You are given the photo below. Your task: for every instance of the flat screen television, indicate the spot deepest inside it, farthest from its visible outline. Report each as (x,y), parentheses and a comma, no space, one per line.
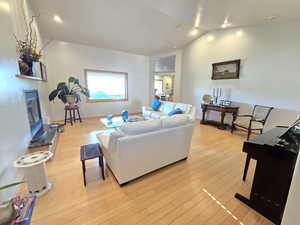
(34,113)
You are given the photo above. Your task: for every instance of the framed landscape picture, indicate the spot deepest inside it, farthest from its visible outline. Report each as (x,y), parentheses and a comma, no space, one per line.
(226,70)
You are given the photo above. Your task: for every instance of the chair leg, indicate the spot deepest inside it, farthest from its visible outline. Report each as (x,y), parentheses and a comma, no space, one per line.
(101,165)
(261,131)
(79,115)
(71,120)
(66,115)
(232,128)
(74,116)
(249,134)
(246,167)
(83,171)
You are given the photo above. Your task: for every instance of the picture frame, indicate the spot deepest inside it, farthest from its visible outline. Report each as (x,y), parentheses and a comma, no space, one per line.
(226,70)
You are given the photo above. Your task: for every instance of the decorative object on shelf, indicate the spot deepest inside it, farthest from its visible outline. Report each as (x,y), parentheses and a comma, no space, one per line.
(109,118)
(226,70)
(124,115)
(27,49)
(7,211)
(225,103)
(59,127)
(33,166)
(207,99)
(217,93)
(43,71)
(69,92)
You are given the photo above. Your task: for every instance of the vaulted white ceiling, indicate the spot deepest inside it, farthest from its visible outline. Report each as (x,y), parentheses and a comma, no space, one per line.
(148,27)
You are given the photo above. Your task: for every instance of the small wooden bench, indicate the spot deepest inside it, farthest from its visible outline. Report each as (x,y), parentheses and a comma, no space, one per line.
(91,151)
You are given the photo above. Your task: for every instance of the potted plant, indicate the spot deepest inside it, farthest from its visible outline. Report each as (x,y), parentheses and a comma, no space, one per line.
(7,210)
(27,49)
(69,92)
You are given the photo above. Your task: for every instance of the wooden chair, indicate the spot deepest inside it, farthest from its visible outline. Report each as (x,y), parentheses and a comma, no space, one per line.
(253,122)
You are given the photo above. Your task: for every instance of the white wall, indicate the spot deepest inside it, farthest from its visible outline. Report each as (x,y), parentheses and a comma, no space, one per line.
(269,76)
(269,69)
(15,131)
(67,59)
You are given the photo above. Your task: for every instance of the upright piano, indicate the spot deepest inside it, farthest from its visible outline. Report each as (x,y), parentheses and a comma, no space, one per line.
(276,153)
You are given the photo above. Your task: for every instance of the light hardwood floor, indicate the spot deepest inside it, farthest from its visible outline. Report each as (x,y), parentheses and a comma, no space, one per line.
(197,191)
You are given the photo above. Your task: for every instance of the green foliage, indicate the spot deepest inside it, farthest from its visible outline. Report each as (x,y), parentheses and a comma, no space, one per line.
(73,87)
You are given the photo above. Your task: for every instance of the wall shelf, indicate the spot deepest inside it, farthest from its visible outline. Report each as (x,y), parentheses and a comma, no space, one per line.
(29,77)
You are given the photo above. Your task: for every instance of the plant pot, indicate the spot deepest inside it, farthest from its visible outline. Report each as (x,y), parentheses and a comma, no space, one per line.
(71,99)
(7,213)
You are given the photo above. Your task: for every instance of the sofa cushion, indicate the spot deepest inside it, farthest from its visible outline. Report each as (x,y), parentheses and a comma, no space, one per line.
(174,122)
(175,111)
(167,107)
(157,115)
(184,107)
(147,112)
(141,127)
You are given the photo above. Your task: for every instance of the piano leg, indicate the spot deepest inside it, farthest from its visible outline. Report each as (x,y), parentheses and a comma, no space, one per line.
(243,199)
(246,167)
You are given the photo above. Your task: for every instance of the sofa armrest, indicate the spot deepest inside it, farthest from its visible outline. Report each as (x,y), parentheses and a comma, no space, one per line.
(104,137)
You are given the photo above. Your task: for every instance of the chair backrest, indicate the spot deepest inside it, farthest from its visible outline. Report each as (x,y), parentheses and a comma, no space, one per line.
(261,113)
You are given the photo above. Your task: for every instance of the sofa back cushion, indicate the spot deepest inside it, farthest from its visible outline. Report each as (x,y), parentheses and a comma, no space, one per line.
(167,107)
(186,108)
(174,121)
(140,127)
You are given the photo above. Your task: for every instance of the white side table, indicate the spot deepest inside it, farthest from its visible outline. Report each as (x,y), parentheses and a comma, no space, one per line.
(33,165)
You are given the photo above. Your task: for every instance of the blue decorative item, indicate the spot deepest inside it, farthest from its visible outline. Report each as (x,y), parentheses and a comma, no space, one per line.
(109,118)
(175,111)
(124,115)
(155,104)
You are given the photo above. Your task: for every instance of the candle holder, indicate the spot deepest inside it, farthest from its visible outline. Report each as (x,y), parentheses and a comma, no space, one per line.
(217,93)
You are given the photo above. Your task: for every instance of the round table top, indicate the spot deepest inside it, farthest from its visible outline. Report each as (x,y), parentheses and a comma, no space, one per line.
(33,159)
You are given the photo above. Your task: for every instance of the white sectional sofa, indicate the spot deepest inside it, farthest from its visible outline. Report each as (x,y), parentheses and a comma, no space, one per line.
(138,148)
(167,107)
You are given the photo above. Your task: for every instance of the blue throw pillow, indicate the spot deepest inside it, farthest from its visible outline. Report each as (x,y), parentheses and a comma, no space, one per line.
(155,104)
(175,111)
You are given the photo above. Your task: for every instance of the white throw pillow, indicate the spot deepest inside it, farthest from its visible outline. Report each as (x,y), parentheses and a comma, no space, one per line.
(140,127)
(174,122)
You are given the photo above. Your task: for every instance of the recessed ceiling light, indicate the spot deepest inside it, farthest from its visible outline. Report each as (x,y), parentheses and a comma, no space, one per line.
(57,19)
(4,6)
(210,38)
(194,32)
(226,24)
(239,33)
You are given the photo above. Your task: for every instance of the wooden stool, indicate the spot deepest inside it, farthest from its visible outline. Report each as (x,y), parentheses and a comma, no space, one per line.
(91,151)
(72,112)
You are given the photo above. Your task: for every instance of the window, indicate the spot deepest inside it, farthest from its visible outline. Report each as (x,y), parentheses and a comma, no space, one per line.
(106,86)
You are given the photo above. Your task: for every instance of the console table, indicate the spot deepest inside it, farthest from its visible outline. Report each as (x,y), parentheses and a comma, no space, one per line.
(218,108)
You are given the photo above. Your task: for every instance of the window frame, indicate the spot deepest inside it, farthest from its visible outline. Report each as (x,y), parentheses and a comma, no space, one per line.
(107,100)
